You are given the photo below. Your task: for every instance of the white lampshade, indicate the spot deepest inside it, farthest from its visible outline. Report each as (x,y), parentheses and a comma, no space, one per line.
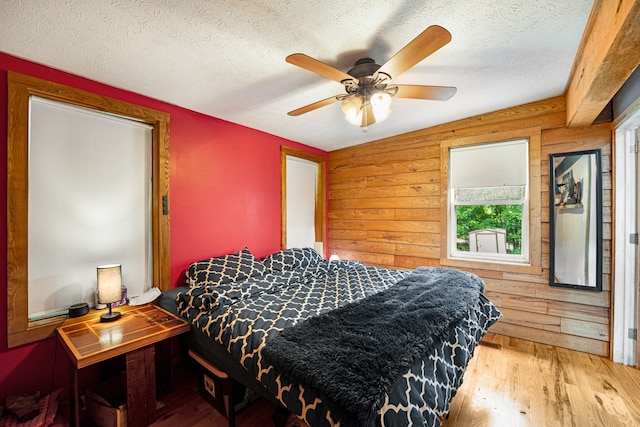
(352,109)
(109,288)
(109,283)
(381,105)
(334,257)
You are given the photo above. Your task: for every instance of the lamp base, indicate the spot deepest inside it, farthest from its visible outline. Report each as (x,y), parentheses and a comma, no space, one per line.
(110,317)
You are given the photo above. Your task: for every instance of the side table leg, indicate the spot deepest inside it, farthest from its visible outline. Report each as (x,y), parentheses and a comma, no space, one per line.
(74,396)
(141,387)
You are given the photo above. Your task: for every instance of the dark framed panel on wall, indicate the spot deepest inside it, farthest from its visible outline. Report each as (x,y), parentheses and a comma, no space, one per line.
(575,220)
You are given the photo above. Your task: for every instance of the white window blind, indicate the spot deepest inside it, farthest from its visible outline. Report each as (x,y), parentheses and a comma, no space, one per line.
(491,173)
(89,203)
(489,165)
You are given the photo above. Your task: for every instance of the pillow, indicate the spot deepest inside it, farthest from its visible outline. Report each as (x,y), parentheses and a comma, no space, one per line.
(288,259)
(224,269)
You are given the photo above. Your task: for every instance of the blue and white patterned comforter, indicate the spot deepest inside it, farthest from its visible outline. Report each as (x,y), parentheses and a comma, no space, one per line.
(243,316)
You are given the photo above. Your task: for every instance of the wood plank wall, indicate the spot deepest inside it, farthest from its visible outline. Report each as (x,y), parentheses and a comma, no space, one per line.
(384,210)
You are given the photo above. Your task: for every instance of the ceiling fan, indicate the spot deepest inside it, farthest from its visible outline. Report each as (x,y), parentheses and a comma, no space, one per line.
(367,84)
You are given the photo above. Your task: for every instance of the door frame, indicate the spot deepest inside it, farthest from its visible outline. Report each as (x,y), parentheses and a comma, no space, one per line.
(321,194)
(626,273)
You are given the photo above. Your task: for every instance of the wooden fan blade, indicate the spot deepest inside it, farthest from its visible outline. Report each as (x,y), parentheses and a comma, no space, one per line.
(318,67)
(430,40)
(314,106)
(436,93)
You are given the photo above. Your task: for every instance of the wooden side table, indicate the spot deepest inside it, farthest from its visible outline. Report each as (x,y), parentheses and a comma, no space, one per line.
(135,334)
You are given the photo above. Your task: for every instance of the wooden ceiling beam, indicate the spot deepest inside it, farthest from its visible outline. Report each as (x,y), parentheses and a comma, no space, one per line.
(609,52)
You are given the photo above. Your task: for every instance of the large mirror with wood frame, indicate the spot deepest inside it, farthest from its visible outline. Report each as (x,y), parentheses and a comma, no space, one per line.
(575,220)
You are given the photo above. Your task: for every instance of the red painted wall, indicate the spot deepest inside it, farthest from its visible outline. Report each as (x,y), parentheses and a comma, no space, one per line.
(225,195)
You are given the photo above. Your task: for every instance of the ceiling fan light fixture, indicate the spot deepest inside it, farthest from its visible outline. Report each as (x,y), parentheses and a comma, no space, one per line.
(379,105)
(367,85)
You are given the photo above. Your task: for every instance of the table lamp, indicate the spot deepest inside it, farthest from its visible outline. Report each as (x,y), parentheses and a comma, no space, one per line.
(109,289)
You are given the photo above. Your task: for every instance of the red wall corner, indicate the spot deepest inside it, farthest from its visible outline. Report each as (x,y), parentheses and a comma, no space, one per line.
(225,195)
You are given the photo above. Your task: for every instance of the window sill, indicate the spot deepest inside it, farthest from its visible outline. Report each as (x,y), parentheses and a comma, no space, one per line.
(491,265)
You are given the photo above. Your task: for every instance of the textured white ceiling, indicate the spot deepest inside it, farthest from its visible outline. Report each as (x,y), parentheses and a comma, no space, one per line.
(227,58)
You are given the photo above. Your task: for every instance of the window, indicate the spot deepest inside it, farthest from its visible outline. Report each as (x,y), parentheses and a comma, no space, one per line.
(301,202)
(488,203)
(488,200)
(22,329)
(89,203)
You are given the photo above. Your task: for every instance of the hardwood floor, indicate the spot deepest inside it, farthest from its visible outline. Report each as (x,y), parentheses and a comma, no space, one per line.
(521,383)
(184,406)
(509,382)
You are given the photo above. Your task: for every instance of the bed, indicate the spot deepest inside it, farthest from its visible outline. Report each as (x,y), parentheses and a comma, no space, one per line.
(337,342)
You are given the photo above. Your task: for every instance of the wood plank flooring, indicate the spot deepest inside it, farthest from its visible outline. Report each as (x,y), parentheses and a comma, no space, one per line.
(522,383)
(509,382)
(185,407)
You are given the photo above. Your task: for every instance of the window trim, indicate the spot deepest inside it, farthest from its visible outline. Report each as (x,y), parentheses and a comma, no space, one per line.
(21,330)
(534,229)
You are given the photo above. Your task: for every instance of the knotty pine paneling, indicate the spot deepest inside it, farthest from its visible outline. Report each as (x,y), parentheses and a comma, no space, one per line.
(385,210)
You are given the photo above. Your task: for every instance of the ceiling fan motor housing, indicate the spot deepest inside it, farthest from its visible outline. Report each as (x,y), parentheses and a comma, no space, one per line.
(364,67)
(368,80)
